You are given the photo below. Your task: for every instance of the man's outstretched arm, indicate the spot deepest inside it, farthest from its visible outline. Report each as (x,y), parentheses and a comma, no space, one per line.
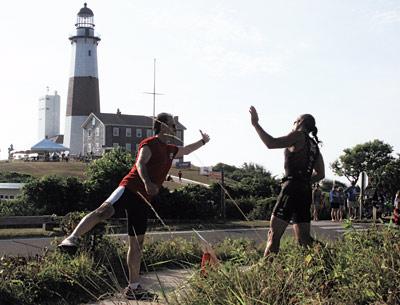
(185,150)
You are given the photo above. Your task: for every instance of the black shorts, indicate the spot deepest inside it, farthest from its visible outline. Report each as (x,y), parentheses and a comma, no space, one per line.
(294,202)
(136,209)
(335,205)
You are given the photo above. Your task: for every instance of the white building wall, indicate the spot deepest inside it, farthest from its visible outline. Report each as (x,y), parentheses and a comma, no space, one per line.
(49,116)
(74,139)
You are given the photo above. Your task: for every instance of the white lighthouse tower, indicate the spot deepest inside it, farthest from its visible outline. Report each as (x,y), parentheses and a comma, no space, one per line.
(83,88)
(49,116)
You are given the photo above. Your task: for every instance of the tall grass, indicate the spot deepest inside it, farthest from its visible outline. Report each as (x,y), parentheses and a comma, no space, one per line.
(363,268)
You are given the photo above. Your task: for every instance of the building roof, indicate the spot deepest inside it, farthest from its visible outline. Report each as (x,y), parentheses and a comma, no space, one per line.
(47,145)
(128,120)
(11,186)
(85,11)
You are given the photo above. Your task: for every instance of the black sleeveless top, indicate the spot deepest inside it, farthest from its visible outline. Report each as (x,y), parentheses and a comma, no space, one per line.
(299,165)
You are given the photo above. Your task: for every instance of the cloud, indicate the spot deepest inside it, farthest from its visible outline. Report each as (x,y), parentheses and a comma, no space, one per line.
(224,42)
(387,17)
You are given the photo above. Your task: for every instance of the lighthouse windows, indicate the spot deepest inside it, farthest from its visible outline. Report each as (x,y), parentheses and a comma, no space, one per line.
(90,53)
(115,131)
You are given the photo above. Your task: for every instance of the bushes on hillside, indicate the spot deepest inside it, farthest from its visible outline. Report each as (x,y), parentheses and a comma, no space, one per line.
(17,207)
(14,177)
(57,195)
(103,175)
(54,195)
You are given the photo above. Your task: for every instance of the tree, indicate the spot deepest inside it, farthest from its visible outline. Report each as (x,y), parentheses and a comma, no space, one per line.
(367,157)
(389,176)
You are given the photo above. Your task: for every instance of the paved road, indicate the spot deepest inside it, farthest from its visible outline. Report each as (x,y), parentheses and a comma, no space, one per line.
(185,181)
(321,229)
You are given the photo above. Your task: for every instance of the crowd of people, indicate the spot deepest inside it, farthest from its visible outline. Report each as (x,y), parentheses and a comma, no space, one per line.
(344,202)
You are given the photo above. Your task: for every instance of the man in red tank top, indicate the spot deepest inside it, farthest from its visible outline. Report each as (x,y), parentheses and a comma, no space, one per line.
(134,193)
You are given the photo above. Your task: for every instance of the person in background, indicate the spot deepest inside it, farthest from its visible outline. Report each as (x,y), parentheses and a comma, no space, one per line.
(317,202)
(352,204)
(342,203)
(396,212)
(334,201)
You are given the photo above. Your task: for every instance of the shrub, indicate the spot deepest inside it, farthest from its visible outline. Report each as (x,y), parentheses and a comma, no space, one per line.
(240,208)
(54,195)
(263,209)
(17,207)
(14,177)
(104,174)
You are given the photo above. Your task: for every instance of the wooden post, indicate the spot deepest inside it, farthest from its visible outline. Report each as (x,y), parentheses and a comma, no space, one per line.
(223,206)
(362,193)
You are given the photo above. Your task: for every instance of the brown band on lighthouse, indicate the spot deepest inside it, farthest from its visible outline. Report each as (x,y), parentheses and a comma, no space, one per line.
(83,96)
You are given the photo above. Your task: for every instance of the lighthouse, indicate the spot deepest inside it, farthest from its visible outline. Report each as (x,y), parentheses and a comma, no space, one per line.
(83,87)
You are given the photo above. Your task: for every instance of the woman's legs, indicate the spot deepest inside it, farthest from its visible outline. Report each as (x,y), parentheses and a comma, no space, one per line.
(276,230)
(302,233)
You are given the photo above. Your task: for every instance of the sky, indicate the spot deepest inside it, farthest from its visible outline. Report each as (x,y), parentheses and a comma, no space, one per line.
(338,60)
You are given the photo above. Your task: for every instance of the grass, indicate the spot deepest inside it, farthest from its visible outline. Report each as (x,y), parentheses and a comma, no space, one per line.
(77,169)
(40,169)
(362,268)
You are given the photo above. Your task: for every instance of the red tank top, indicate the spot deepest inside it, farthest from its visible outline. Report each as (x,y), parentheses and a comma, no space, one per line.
(158,166)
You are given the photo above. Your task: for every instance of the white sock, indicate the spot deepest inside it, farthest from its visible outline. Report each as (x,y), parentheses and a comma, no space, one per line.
(134,285)
(73,237)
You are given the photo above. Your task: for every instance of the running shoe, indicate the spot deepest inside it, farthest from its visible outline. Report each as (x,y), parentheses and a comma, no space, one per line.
(139,294)
(69,245)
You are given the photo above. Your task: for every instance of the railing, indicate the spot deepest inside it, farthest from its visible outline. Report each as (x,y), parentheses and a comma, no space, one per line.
(47,222)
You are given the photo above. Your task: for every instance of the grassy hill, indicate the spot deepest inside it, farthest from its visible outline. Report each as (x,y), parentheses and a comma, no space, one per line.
(77,169)
(39,169)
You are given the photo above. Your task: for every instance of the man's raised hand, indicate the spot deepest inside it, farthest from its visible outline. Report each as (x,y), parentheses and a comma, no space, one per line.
(204,137)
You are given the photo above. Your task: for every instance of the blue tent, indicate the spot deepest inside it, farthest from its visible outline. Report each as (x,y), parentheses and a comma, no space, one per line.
(47,145)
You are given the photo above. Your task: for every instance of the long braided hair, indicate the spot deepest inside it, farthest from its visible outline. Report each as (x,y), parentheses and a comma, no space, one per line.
(309,124)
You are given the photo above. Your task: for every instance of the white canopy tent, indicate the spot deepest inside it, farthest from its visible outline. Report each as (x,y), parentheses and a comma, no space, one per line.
(48,146)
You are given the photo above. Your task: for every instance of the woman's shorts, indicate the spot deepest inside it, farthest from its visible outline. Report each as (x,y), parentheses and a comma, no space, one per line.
(136,209)
(294,202)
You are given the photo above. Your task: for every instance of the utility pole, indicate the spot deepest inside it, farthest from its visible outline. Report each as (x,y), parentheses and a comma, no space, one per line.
(154,93)
(223,206)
